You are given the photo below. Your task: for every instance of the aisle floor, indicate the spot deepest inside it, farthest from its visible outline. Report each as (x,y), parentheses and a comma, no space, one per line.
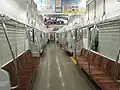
(57,72)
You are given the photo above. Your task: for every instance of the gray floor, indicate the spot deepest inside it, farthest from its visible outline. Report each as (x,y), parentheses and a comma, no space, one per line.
(57,72)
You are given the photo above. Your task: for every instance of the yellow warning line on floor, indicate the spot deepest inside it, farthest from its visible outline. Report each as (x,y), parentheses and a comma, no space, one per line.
(73,60)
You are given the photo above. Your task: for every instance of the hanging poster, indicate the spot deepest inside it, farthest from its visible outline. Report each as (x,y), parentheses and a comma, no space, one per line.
(62,6)
(58,3)
(58,6)
(73,6)
(46,6)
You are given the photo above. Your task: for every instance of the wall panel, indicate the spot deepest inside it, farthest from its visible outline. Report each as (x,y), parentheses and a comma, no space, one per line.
(112,8)
(91,12)
(18,41)
(109,40)
(99,10)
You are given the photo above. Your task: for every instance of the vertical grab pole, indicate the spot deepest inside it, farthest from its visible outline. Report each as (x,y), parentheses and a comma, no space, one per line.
(89,48)
(94,9)
(12,53)
(75,43)
(38,40)
(104,9)
(88,13)
(28,36)
(76,47)
(115,69)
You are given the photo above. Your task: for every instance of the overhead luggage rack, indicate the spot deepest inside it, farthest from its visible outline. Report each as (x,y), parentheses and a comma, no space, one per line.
(13,22)
(107,21)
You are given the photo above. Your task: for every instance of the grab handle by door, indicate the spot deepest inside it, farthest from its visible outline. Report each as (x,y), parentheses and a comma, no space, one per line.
(115,70)
(12,53)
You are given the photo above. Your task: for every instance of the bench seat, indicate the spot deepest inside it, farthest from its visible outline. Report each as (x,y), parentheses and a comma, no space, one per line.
(99,68)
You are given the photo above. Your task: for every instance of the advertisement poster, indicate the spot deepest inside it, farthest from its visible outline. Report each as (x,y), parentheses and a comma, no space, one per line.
(73,6)
(58,6)
(62,6)
(46,6)
(58,3)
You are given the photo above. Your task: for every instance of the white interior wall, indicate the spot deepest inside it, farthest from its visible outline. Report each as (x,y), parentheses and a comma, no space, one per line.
(112,8)
(99,10)
(18,41)
(107,34)
(13,9)
(109,38)
(85,18)
(85,38)
(17,10)
(91,13)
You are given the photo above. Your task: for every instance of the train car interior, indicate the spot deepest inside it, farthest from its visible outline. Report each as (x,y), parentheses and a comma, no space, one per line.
(59,44)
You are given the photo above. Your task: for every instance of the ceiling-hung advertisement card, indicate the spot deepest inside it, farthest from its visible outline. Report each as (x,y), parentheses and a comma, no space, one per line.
(73,6)
(46,6)
(58,6)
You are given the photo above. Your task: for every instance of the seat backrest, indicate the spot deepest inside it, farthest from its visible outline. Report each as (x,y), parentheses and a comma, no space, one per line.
(86,54)
(104,64)
(118,70)
(28,56)
(97,61)
(111,69)
(82,52)
(92,56)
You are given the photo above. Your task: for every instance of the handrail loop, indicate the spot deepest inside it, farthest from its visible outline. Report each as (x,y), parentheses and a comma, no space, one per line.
(12,53)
